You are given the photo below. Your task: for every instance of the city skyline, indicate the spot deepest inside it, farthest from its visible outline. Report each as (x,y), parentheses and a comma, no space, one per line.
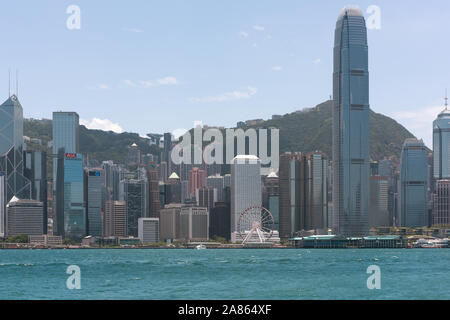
(350,172)
(224,150)
(280,73)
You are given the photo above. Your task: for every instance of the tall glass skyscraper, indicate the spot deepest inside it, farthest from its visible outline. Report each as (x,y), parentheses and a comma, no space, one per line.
(134,192)
(65,135)
(70,210)
(441,145)
(93,196)
(292,194)
(11,149)
(413,208)
(316,195)
(351,125)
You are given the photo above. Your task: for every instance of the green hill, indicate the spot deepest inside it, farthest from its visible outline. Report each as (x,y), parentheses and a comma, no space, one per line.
(97,144)
(311,129)
(306,130)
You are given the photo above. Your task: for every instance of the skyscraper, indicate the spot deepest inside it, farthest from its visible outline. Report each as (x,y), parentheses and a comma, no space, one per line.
(441,144)
(115,219)
(194,223)
(351,124)
(35,170)
(93,197)
(379,209)
(111,179)
(163,171)
(165,156)
(24,217)
(172,189)
(153,185)
(216,182)
(206,197)
(70,209)
(271,198)
(245,186)
(135,194)
(65,135)
(11,149)
(385,168)
(441,208)
(170,222)
(413,185)
(303,188)
(219,221)
(133,156)
(197,179)
(316,195)
(292,193)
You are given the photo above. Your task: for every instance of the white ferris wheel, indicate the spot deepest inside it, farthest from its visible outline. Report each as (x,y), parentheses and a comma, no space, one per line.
(255,225)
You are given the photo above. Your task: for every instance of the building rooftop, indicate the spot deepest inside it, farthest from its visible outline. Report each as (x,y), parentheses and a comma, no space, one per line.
(413,141)
(272,175)
(444,113)
(246,157)
(320,237)
(14,199)
(174,176)
(385,237)
(350,11)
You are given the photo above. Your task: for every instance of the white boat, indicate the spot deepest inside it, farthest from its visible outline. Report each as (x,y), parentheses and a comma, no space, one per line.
(200,247)
(433,243)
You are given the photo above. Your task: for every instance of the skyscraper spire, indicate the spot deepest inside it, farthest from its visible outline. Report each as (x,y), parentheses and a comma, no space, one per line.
(9,83)
(446,99)
(17,83)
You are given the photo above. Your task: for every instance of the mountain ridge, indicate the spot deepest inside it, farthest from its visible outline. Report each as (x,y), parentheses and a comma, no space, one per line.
(304,130)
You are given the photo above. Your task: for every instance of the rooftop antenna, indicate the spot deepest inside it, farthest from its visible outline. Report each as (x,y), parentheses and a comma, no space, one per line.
(446,99)
(9,83)
(17,83)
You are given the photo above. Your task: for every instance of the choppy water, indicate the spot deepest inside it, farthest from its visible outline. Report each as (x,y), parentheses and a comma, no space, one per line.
(225,274)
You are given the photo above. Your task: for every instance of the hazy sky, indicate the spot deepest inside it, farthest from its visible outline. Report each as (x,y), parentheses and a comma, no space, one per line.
(156,66)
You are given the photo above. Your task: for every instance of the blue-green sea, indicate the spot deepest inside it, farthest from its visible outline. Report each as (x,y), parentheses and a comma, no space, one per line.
(225,274)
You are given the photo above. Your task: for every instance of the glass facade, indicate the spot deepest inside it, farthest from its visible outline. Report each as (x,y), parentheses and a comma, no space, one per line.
(65,135)
(11,149)
(379,204)
(135,194)
(35,169)
(413,185)
(71,214)
(351,162)
(245,186)
(94,192)
(111,179)
(441,146)
(441,209)
(274,208)
(316,193)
